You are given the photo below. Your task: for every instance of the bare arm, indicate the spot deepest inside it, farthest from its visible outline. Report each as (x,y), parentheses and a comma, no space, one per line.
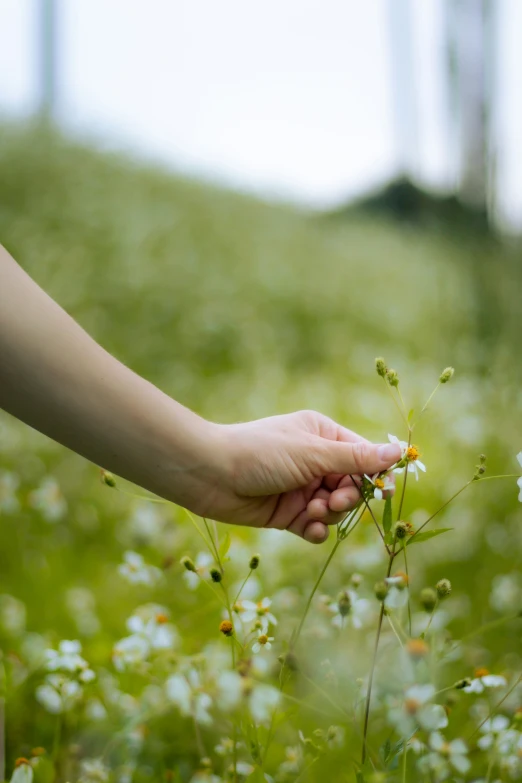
(54,377)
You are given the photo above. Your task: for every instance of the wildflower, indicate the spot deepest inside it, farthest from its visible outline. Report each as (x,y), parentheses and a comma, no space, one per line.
(428,599)
(392,377)
(409,458)
(226,628)
(254,562)
(380,366)
(444,756)
(216,575)
(107,478)
(200,569)
(93,771)
(186,692)
(417,710)
(519,481)
(130,651)
(350,610)
(136,571)
(403,530)
(225,747)
(492,729)
(151,621)
(58,694)
(264,699)
(335,737)
(67,658)
(23,772)
(381,483)
(484,680)
(397,595)
(446,375)
(443,588)
(263,642)
(417,648)
(9,483)
(49,500)
(249,611)
(381,590)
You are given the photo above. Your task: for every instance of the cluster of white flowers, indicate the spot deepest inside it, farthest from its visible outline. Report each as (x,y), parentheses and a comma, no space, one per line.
(151,631)
(136,571)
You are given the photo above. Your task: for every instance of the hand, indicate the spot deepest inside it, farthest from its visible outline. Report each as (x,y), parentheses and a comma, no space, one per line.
(291,472)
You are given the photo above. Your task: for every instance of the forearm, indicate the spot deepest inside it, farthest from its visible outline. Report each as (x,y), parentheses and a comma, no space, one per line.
(54,377)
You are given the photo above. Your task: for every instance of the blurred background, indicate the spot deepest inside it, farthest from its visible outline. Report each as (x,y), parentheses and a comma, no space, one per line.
(246,204)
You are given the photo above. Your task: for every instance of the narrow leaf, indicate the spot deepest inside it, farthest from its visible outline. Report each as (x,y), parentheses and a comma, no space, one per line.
(225,545)
(387,515)
(410,415)
(420,537)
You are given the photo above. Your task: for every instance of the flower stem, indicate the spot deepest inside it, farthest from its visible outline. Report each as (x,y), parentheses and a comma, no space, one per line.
(497,705)
(236,599)
(297,632)
(471,481)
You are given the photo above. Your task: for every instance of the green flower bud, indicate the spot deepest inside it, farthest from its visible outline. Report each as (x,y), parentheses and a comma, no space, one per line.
(446,375)
(402,529)
(460,684)
(443,588)
(381,590)
(392,377)
(216,575)
(254,562)
(108,478)
(344,602)
(188,563)
(428,599)
(380,366)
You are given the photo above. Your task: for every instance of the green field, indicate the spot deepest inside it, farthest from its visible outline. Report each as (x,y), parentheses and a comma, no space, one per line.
(241,309)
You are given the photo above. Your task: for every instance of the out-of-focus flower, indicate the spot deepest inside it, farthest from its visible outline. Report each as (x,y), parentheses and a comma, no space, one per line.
(48,500)
(417,710)
(263,643)
(187,693)
(506,592)
(151,621)
(380,484)
(95,711)
(23,772)
(59,694)
(483,680)
(136,571)
(292,765)
(444,756)
(93,771)
(81,605)
(263,700)
(130,651)
(398,592)
(352,611)
(9,483)
(12,615)
(256,612)
(67,658)
(409,457)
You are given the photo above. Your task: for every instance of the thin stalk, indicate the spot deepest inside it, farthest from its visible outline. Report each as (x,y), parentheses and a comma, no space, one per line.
(372,670)
(408,578)
(430,620)
(236,599)
(405,418)
(432,395)
(395,631)
(371,512)
(497,705)
(471,481)
(325,694)
(295,635)
(403,493)
(213,543)
(404,762)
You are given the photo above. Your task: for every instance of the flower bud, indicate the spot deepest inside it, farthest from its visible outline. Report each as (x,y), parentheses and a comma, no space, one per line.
(482,458)
(428,599)
(381,590)
(380,366)
(446,375)
(289,659)
(216,575)
(226,628)
(107,478)
(188,563)
(356,580)
(402,529)
(465,683)
(254,562)
(392,377)
(443,588)
(344,602)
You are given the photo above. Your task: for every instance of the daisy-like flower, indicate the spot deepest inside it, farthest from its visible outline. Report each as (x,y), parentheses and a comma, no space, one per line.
(67,658)
(409,457)
(445,756)
(136,571)
(93,771)
(263,643)
(186,692)
(23,772)
(250,612)
(417,710)
(151,621)
(497,734)
(519,481)
(58,694)
(350,610)
(202,565)
(483,680)
(380,483)
(398,592)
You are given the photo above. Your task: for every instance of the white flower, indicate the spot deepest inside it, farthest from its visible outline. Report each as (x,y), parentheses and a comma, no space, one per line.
(58,694)
(130,651)
(93,771)
(380,484)
(9,503)
(230,690)
(398,592)
(519,481)
(263,642)
(293,761)
(151,622)
(48,499)
(444,756)
(136,571)
(416,710)
(411,455)
(202,562)
(67,658)
(359,611)
(481,683)
(186,692)
(497,733)
(23,773)
(263,700)
(260,612)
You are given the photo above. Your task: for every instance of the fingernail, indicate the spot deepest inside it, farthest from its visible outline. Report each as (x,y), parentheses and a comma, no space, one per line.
(389,452)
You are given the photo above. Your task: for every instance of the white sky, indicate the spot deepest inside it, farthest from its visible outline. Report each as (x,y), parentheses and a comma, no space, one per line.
(290,98)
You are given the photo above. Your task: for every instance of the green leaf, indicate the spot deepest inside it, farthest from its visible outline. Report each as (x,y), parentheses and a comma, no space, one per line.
(420,537)
(225,545)
(386,750)
(387,515)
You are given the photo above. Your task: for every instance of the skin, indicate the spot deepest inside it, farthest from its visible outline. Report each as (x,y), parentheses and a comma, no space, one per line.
(289,472)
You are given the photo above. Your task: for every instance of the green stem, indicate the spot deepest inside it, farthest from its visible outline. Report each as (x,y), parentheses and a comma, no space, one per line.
(471,481)
(404,761)
(497,705)
(368,507)
(432,395)
(297,632)
(405,419)
(236,599)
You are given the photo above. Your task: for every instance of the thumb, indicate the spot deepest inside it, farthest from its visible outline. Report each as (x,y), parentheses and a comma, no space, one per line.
(360,457)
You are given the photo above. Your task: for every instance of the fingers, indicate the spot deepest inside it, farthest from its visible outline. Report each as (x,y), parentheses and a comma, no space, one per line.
(359,457)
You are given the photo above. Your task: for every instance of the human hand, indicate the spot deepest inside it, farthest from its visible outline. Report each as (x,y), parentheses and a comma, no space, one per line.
(291,472)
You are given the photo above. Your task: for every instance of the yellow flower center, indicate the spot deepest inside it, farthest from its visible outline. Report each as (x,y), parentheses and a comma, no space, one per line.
(481,672)
(161,619)
(379,483)
(412,453)
(263,638)
(411,706)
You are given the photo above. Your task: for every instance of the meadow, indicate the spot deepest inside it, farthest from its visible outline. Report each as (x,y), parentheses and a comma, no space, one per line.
(242,309)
